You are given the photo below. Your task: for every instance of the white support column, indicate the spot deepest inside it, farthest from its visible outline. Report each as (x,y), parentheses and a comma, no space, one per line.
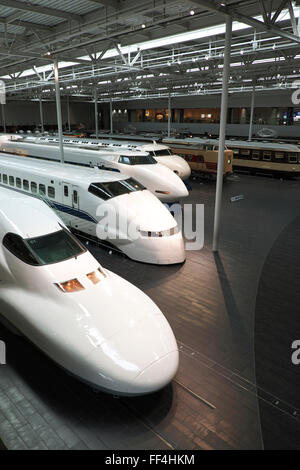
(111,117)
(68,113)
(251,113)
(169,115)
(223,122)
(3,117)
(41,115)
(96,114)
(58,111)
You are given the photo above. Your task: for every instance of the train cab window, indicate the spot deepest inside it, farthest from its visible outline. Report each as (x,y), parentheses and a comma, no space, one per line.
(66,191)
(75,197)
(112,189)
(55,247)
(124,160)
(16,245)
(18,182)
(267,156)
(42,189)
(11,181)
(26,185)
(5,179)
(255,154)
(137,160)
(161,153)
(33,187)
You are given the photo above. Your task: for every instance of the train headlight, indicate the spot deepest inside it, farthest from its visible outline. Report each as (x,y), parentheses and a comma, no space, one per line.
(93,277)
(102,272)
(70,286)
(162,192)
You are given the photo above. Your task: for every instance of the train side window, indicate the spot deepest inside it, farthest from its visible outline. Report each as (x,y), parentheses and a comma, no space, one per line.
(200,159)
(18,182)
(42,189)
(66,191)
(245,152)
(11,181)
(267,156)
(33,187)
(279,155)
(5,179)
(51,192)
(255,154)
(292,158)
(26,185)
(75,197)
(0,177)
(15,244)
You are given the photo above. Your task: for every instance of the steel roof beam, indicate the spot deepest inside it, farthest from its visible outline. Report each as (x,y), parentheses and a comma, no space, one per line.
(40,9)
(27,24)
(270,27)
(108,3)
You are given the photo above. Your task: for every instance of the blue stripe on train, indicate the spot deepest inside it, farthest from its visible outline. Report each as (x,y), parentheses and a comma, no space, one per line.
(60,207)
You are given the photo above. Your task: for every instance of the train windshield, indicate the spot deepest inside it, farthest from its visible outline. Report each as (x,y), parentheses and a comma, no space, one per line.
(55,247)
(161,153)
(112,189)
(137,160)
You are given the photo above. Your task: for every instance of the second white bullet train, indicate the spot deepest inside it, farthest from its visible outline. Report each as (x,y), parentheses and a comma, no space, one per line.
(90,321)
(101,205)
(159,179)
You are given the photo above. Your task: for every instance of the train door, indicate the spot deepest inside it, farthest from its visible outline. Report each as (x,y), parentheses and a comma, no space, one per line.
(67,194)
(75,197)
(70,195)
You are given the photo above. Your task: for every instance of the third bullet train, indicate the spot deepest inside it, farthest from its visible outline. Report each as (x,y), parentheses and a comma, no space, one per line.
(94,324)
(159,179)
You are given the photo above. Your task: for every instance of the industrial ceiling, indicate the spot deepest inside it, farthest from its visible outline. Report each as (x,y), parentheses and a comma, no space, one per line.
(125,49)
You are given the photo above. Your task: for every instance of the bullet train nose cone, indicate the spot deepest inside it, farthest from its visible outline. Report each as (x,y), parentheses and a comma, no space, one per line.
(157,375)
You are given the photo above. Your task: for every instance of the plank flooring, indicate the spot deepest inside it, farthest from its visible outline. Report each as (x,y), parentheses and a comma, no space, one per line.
(210,302)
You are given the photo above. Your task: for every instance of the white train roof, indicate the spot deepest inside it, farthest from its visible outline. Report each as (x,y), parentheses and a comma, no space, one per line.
(67,172)
(17,211)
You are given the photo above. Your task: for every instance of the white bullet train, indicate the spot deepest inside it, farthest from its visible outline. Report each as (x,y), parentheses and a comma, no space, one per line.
(94,324)
(100,205)
(159,179)
(161,152)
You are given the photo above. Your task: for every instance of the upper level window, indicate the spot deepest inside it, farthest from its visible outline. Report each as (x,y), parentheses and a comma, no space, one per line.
(115,188)
(11,181)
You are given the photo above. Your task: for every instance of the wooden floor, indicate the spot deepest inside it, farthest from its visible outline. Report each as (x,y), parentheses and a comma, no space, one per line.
(210,302)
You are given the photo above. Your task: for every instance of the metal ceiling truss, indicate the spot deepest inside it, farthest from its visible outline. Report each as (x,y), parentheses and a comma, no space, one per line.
(268,53)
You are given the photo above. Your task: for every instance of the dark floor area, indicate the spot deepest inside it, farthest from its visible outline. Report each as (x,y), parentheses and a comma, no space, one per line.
(210,303)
